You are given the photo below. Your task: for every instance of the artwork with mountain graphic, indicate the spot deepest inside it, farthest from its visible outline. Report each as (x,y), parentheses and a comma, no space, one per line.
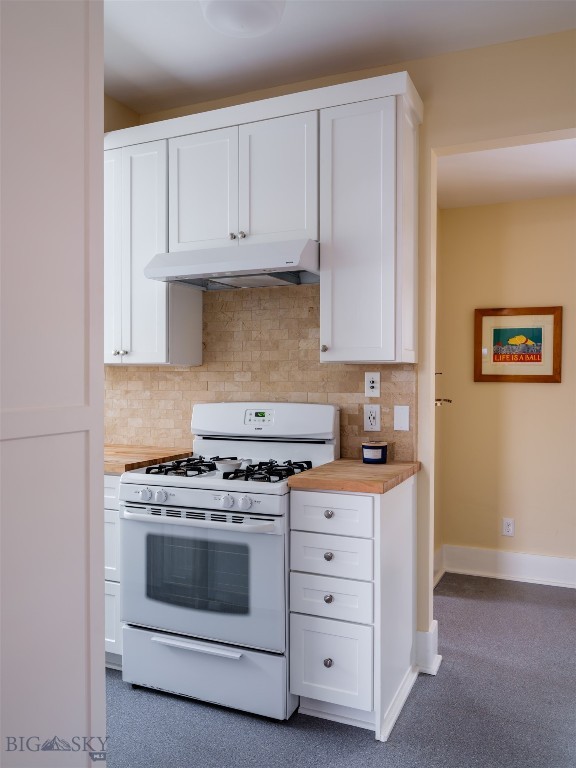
(56,745)
(517,345)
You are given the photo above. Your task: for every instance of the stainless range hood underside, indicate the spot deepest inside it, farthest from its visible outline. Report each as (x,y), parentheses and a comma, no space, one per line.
(288,262)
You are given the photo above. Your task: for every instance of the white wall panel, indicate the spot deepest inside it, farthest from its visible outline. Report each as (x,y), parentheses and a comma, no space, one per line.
(52,663)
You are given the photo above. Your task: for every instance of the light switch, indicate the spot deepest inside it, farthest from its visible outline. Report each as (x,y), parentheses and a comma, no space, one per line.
(402,418)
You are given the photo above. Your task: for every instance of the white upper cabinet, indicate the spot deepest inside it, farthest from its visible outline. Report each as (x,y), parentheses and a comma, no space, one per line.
(249,184)
(278,164)
(146,321)
(203,183)
(367,190)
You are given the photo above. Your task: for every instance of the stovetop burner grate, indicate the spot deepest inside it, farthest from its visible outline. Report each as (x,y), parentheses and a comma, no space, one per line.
(268,471)
(189,467)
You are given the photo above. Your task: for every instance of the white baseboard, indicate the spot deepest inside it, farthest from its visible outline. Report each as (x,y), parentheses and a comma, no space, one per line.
(398,702)
(513,566)
(336,713)
(438,565)
(427,658)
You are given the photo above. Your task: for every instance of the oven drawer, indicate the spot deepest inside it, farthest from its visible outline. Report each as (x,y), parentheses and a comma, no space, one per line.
(223,674)
(336,513)
(331,555)
(331,661)
(331,598)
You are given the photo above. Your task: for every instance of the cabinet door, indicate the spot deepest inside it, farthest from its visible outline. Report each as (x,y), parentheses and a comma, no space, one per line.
(112,255)
(203,190)
(112,624)
(358,232)
(112,545)
(331,661)
(144,234)
(278,177)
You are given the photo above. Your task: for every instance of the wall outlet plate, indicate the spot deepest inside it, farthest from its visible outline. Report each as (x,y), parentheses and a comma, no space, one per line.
(371,418)
(402,418)
(372,384)
(507,526)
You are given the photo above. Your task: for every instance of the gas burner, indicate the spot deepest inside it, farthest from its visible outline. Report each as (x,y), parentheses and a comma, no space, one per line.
(190,467)
(268,471)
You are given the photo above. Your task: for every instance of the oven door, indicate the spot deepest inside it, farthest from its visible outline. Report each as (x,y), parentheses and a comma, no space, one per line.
(210,579)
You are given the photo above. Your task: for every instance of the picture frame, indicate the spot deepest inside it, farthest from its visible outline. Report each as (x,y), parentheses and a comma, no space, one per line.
(521,344)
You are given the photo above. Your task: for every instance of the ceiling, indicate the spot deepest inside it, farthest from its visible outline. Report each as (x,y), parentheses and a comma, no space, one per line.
(161,54)
(547,169)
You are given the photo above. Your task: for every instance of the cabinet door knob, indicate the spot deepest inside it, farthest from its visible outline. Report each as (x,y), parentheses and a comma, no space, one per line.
(328,598)
(323,348)
(328,662)
(328,555)
(123,352)
(241,235)
(232,236)
(116,352)
(328,513)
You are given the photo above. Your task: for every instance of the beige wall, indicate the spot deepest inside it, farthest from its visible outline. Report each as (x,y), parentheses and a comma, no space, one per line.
(259,344)
(117,115)
(506,449)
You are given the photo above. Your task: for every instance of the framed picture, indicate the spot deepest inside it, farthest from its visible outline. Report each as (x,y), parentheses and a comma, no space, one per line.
(519,345)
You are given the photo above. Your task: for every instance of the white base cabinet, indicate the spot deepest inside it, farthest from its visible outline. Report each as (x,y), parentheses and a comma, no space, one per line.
(112,570)
(352,604)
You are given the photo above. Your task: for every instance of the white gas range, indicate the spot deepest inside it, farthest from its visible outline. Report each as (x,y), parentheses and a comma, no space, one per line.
(204,590)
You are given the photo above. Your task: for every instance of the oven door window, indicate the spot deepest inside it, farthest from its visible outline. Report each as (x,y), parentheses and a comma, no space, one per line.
(197,573)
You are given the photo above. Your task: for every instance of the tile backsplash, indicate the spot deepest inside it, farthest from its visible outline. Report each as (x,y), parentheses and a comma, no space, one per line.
(259,344)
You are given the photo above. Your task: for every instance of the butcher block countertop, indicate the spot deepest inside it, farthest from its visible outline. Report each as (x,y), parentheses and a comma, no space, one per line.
(121,458)
(353,476)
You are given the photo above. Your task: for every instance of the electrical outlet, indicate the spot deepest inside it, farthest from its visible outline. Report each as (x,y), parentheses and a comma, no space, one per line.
(372,384)
(507,526)
(371,418)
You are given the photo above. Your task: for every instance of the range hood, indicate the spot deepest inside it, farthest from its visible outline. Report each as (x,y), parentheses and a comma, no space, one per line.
(240,266)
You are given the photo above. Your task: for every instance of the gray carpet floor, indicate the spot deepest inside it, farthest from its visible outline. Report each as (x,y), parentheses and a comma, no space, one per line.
(504,697)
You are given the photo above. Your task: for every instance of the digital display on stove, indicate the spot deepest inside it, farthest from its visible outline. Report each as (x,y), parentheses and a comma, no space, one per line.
(259,417)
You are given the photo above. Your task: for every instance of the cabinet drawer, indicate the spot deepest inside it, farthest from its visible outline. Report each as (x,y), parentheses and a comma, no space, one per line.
(331,555)
(337,513)
(331,598)
(232,676)
(111,491)
(331,661)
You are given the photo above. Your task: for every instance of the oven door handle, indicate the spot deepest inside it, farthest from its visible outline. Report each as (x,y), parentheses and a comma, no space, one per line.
(264,527)
(173,643)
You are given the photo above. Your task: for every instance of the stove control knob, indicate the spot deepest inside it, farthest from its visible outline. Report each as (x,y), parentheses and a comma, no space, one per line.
(161,496)
(227,501)
(244,502)
(145,494)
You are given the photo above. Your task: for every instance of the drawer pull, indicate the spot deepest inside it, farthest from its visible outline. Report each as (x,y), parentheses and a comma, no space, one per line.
(328,598)
(328,513)
(328,662)
(174,643)
(328,556)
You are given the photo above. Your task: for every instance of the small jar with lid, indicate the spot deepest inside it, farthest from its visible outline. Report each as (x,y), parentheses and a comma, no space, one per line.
(374,452)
